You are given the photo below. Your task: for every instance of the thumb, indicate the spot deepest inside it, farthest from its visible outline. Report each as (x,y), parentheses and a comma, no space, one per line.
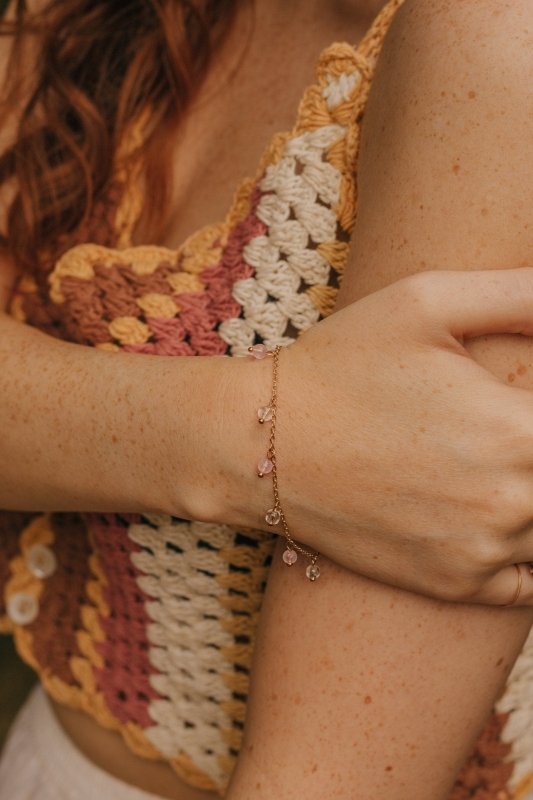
(471,304)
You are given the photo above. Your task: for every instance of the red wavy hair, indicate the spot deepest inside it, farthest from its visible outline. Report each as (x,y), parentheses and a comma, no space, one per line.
(99,65)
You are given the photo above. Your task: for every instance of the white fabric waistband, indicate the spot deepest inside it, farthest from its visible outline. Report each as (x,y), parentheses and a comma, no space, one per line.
(39,762)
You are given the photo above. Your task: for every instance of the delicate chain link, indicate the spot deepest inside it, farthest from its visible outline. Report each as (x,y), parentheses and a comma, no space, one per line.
(275,515)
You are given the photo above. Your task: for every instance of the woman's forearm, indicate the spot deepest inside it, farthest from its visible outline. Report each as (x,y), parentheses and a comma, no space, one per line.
(87,430)
(360,690)
(82,429)
(363,691)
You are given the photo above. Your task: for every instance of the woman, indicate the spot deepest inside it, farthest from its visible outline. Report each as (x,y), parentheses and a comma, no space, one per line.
(139,560)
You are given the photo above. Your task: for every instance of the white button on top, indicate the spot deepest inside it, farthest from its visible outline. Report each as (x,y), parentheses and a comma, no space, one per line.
(22,608)
(41,561)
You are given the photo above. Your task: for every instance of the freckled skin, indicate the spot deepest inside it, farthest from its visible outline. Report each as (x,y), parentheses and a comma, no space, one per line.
(433,670)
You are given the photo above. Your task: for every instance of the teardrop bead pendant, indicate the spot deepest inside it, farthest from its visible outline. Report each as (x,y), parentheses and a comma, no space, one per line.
(264,414)
(259,351)
(264,466)
(290,556)
(313,572)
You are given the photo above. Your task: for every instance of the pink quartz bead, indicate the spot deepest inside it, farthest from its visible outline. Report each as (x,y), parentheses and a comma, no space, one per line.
(290,556)
(258,351)
(264,466)
(273,516)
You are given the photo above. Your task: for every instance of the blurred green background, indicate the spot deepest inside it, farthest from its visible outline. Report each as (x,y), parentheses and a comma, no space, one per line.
(16,679)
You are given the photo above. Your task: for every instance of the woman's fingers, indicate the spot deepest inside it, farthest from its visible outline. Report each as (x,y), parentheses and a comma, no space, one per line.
(511,586)
(416,460)
(470,304)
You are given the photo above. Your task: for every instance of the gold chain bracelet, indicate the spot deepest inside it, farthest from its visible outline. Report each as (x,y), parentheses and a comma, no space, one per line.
(268,465)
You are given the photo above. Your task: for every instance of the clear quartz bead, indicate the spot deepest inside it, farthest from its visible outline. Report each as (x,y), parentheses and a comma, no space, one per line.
(313,572)
(264,414)
(290,556)
(273,516)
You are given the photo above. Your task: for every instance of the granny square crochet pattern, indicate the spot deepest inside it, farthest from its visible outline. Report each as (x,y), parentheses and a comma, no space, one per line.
(146,622)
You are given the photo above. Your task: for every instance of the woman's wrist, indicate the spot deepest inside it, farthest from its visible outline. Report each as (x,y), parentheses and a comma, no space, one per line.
(217,481)
(96,431)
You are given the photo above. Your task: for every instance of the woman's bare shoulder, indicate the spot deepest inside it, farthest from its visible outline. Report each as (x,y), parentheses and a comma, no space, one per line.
(442,52)
(446,157)
(481,30)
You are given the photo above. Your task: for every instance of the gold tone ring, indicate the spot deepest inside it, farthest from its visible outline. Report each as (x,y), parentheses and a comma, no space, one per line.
(518,586)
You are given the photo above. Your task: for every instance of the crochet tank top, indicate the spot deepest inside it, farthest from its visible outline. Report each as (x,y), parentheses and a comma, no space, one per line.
(146,622)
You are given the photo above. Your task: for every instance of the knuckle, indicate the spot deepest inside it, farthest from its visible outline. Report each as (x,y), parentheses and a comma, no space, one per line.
(469,580)
(492,554)
(476,557)
(471,550)
(512,432)
(508,508)
(422,291)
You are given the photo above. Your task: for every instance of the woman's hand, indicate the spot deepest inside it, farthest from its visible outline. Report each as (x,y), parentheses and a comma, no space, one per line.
(398,455)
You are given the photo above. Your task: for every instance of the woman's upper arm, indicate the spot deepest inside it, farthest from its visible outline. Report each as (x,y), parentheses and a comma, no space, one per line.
(360,690)
(445,176)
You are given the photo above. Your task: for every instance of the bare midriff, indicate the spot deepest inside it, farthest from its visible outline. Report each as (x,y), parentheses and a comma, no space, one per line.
(107,750)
